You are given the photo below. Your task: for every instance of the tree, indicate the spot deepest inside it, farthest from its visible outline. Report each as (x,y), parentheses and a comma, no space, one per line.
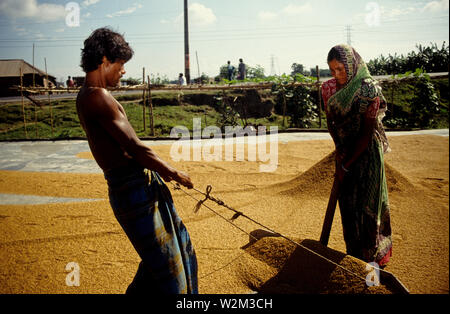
(255,72)
(131,81)
(223,72)
(204,78)
(294,101)
(322,72)
(431,59)
(158,79)
(425,103)
(297,69)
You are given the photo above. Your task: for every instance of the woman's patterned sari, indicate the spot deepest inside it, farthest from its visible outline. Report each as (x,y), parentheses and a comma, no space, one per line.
(363,199)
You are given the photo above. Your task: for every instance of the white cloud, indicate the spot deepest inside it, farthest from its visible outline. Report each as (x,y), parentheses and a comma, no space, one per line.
(199,15)
(293,9)
(87,3)
(21,31)
(289,10)
(31,9)
(396,12)
(384,14)
(267,16)
(88,14)
(436,6)
(126,11)
(59,30)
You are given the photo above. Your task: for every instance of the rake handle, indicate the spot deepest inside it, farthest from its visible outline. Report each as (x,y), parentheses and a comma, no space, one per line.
(329,215)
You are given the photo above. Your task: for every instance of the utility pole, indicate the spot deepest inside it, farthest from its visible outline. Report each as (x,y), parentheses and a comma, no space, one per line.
(198,66)
(187,73)
(34,84)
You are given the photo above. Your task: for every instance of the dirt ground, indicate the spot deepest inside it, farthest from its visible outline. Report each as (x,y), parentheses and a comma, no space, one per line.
(38,241)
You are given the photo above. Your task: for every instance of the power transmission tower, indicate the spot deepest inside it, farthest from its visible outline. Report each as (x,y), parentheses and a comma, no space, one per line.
(348,29)
(272,66)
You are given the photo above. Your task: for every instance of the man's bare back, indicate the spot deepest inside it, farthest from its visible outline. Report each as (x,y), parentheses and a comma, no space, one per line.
(107,152)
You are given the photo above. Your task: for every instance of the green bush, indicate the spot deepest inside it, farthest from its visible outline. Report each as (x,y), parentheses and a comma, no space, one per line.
(295,102)
(425,103)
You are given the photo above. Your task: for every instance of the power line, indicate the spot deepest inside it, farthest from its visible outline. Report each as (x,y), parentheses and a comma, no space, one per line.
(221,35)
(247,34)
(301,28)
(177,38)
(158,13)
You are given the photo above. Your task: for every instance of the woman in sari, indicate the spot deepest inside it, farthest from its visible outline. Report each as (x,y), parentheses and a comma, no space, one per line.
(355,106)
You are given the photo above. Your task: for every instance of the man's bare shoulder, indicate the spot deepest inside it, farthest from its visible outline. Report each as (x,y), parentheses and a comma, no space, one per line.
(96,98)
(95,95)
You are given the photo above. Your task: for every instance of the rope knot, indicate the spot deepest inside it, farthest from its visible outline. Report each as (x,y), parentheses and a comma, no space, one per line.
(199,204)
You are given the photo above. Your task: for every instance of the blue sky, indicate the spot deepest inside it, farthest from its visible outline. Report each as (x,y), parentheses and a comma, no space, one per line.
(259,31)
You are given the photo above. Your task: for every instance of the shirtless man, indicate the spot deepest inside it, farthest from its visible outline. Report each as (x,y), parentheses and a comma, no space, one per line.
(140,200)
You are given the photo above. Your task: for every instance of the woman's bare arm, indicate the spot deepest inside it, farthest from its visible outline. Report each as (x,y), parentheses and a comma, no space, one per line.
(359,147)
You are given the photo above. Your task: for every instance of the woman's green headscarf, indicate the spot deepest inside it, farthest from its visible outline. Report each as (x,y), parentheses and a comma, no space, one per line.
(360,84)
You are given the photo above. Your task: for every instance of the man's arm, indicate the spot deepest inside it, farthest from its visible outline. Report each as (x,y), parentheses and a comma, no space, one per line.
(106,109)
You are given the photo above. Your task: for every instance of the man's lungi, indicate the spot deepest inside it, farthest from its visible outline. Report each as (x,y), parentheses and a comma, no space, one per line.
(143,206)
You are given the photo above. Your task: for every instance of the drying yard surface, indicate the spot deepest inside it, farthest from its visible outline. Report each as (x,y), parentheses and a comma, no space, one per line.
(37,241)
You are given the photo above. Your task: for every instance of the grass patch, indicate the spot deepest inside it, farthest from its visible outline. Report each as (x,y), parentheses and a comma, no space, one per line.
(66,123)
(38,122)
(172,109)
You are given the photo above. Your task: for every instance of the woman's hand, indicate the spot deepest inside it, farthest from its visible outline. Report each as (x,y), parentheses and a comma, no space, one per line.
(340,156)
(340,173)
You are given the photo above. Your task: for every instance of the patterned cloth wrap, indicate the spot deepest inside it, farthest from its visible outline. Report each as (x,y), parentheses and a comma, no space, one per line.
(363,199)
(143,206)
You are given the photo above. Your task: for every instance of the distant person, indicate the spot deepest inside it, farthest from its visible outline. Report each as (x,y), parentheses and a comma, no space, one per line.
(181,80)
(141,201)
(230,71)
(241,70)
(355,106)
(70,83)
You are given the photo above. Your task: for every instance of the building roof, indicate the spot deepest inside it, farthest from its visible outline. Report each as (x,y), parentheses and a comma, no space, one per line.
(11,68)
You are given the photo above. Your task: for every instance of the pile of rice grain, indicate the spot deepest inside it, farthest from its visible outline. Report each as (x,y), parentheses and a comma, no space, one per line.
(276,265)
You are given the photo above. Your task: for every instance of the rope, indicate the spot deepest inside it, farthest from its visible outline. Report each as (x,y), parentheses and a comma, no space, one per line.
(177,187)
(238,213)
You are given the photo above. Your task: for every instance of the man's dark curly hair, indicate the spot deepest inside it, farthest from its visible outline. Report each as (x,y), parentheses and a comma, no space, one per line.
(104,42)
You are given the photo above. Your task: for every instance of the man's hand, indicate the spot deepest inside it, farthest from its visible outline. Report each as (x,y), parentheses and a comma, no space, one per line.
(180,177)
(184,179)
